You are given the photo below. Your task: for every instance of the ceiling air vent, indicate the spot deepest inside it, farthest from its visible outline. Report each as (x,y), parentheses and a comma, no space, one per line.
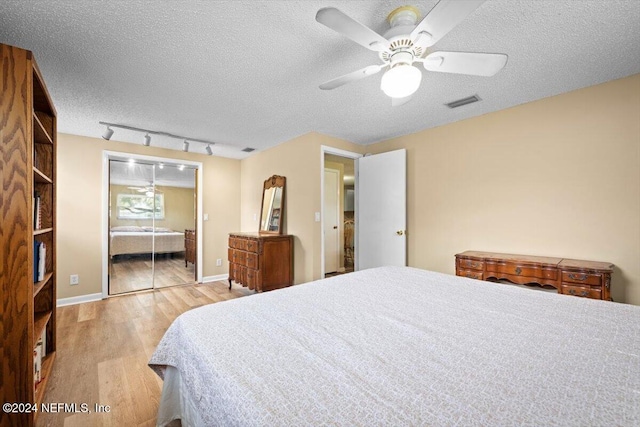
(248,149)
(463,101)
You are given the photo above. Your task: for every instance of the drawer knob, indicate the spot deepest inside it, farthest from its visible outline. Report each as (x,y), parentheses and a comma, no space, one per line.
(578,276)
(518,270)
(473,265)
(584,294)
(572,291)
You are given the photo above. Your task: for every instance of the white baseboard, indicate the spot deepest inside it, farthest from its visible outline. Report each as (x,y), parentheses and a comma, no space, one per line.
(217,278)
(78,300)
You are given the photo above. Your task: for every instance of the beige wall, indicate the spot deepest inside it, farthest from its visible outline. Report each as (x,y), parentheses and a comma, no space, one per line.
(557,177)
(179,208)
(79,208)
(299,161)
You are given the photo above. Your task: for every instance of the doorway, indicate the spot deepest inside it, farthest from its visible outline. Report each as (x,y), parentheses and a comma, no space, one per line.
(151,223)
(338,211)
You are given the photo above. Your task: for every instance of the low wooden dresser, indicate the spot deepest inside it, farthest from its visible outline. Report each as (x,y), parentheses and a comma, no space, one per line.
(261,262)
(591,279)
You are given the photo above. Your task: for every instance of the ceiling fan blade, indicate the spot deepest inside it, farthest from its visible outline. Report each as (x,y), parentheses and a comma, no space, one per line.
(442,19)
(396,102)
(474,64)
(349,27)
(356,75)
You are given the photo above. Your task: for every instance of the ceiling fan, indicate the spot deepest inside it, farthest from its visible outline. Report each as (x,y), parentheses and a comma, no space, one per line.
(149,190)
(405,43)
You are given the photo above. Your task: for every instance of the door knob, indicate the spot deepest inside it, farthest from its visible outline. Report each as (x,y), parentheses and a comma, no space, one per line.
(335,227)
(400,232)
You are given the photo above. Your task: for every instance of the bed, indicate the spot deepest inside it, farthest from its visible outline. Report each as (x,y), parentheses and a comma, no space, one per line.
(398,346)
(129,240)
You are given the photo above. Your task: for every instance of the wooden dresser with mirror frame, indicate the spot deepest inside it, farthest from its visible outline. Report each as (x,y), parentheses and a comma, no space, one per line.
(263,260)
(590,279)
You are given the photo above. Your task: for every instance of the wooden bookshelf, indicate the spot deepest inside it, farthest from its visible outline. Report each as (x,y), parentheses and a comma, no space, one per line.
(28,136)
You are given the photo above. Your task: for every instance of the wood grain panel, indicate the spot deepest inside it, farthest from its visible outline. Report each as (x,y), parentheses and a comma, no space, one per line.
(16,237)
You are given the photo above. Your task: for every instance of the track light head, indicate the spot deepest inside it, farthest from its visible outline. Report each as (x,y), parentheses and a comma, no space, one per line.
(147,140)
(209,152)
(108,133)
(185,146)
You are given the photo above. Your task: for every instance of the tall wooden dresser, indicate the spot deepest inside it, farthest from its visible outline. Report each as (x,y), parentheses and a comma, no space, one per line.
(189,247)
(261,262)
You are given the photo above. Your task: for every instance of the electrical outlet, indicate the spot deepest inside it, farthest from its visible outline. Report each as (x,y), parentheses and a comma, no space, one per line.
(219,262)
(255,216)
(74,279)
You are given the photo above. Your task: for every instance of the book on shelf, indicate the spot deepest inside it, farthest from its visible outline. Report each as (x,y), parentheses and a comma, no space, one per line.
(37,211)
(39,258)
(37,363)
(36,263)
(38,354)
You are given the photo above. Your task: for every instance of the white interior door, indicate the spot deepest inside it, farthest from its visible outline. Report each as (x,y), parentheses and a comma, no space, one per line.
(331,221)
(381,197)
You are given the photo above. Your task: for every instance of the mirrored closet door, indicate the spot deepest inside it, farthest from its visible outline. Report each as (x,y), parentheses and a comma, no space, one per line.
(152,208)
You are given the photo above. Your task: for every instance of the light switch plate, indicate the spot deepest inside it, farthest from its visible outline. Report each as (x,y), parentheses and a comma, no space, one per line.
(206,217)
(317,216)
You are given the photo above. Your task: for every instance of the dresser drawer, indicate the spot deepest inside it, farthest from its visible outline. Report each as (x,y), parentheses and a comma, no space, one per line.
(237,256)
(254,280)
(470,274)
(237,243)
(470,264)
(581,291)
(252,246)
(582,278)
(252,260)
(522,270)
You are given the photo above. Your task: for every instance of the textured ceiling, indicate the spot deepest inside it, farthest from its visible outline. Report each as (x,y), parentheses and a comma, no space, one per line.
(246,73)
(125,172)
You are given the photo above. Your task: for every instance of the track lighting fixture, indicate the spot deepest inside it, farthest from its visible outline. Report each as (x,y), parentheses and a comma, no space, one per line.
(108,133)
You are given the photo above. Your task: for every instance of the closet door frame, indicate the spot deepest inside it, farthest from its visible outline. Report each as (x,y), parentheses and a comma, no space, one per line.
(115,155)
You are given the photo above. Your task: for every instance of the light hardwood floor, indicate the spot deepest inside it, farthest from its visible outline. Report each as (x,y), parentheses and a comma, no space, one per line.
(134,273)
(103,348)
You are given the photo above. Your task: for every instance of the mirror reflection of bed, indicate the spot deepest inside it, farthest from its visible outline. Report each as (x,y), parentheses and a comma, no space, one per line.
(151,226)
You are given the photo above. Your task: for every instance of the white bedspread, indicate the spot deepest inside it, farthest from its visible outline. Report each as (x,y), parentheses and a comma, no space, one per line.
(136,242)
(401,346)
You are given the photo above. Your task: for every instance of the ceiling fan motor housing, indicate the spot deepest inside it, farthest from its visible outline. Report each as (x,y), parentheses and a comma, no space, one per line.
(403,21)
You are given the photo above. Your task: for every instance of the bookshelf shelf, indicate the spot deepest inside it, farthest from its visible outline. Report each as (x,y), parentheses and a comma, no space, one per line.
(37,287)
(41,177)
(42,231)
(40,135)
(39,323)
(28,134)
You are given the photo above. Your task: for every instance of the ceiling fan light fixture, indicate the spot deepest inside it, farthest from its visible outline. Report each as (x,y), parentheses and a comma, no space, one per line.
(401,81)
